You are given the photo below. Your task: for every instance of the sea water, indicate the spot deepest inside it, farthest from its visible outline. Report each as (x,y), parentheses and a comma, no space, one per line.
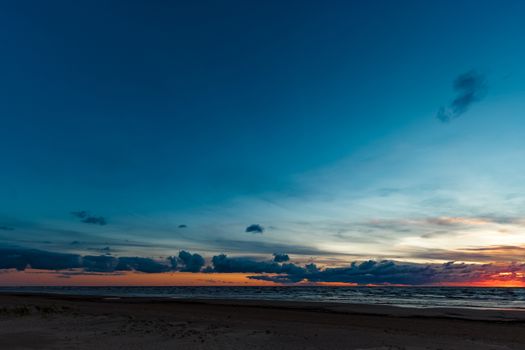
(424,297)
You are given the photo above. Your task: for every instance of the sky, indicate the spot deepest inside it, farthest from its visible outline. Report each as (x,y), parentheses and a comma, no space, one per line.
(262,142)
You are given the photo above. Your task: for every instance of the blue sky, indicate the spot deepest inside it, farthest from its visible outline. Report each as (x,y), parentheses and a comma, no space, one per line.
(317,121)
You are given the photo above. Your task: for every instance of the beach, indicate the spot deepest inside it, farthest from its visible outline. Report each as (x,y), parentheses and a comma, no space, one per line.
(88,322)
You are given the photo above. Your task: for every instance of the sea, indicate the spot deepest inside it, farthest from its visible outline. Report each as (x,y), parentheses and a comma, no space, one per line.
(418,297)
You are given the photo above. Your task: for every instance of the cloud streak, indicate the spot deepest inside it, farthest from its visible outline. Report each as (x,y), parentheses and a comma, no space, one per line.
(499,254)
(87,218)
(470,88)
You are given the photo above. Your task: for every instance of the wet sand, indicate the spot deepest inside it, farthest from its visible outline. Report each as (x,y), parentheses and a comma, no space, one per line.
(70,322)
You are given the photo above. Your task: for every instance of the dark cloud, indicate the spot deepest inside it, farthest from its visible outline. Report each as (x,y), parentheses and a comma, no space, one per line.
(221,263)
(255,228)
(311,268)
(173,261)
(374,272)
(389,272)
(140,264)
(20,259)
(23,258)
(368,272)
(97,220)
(384,272)
(290,272)
(53,261)
(13,259)
(6,228)
(192,262)
(280,257)
(88,218)
(101,263)
(469,87)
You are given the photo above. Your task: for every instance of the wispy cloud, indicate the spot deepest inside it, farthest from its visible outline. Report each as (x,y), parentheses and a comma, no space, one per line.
(451,221)
(88,218)
(469,87)
(241,246)
(489,254)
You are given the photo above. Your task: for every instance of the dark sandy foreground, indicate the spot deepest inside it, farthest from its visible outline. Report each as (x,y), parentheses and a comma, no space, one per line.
(59,322)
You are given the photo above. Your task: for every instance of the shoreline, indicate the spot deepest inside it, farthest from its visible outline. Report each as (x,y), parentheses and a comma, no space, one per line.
(36,321)
(460,312)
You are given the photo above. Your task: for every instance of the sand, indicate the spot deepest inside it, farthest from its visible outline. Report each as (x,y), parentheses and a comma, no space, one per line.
(68,322)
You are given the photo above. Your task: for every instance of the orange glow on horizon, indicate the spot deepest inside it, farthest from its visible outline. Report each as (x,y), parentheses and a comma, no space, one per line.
(487,283)
(336,284)
(32,277)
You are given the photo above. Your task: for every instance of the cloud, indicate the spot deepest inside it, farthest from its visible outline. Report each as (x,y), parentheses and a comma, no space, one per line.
(485,254)
(388,272)
(469,87)
(192,262)
(374,272)
(106,250)
(254,228)
(101,263)
(221,263)
(147,265)
(280,257)
(292,272)
(451,221)
(383,272)
(6,228)
(173,261)
(88,218)
(97,220)
(20,259)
